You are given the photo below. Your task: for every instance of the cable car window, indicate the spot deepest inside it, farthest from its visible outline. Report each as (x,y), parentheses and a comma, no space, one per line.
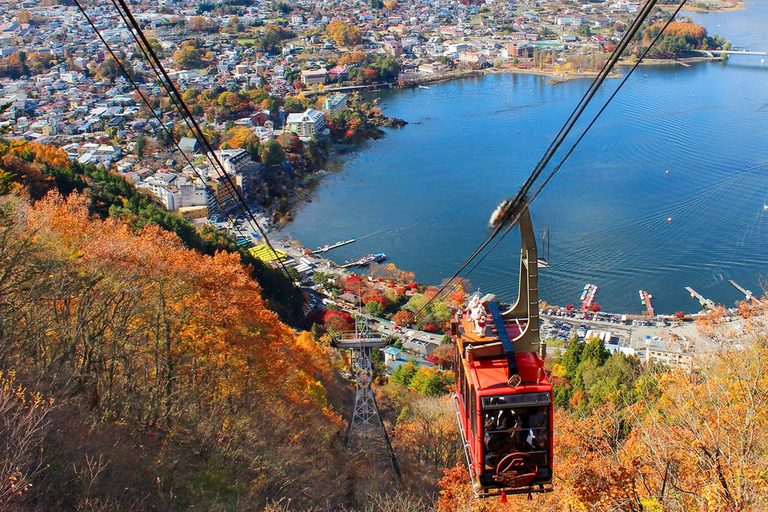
(516,400)
(515,430)
(459,373)
(468,410)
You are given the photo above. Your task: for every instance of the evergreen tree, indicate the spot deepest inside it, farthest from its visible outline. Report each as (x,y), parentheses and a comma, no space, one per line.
(572,358)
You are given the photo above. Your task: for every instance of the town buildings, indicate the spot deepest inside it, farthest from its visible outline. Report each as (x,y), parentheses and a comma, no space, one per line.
(70,94)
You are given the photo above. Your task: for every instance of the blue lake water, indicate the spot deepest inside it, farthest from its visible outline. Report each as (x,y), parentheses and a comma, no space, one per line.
(424,193)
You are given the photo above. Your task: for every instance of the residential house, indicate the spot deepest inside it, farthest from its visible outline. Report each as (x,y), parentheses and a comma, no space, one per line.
(189,145)
(671,353)
(420,347)
(395,358)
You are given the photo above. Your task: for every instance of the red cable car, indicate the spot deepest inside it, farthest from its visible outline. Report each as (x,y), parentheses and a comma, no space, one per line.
(503,397)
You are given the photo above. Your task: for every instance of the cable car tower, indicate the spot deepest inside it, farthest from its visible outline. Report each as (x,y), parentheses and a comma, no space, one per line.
(366,431)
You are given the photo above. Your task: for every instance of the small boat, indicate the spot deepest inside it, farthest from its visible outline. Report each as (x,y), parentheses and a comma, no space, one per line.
(423,87)
(765,206)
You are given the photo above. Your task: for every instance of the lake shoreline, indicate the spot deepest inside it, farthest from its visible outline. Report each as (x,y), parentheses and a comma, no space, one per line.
(737,6)
(339,151)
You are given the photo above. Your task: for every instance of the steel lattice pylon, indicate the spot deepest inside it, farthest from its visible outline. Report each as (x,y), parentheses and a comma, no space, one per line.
(366,431)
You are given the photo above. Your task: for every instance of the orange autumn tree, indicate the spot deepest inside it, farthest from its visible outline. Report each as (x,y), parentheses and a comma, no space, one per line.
(239,136)
(232,339)
(693,441)
(139,331)
(676,28)
(427,440)
(344,34)
(41,153)
(403,318)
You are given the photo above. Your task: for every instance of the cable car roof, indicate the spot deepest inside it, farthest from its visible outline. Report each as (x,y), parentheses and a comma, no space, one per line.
(490,375)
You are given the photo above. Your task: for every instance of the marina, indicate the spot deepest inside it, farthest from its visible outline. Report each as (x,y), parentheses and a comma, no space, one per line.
(645,300)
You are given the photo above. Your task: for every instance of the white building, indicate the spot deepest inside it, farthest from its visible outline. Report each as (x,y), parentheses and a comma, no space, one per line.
(671,353)
(234,160)
(312,77)
(306,124)
(471,57)
(335,104)
(174,191)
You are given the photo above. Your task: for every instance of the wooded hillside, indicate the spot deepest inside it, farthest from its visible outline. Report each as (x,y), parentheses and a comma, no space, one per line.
(164,380)
(141,369)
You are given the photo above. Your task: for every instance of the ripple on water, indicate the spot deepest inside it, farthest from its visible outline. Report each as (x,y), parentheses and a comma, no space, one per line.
(424,193)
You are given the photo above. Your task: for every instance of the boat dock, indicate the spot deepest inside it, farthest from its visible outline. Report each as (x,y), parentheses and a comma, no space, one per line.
(705,302)
(645,300)
(365,260)
(588,296)
(748,295)
(327,248)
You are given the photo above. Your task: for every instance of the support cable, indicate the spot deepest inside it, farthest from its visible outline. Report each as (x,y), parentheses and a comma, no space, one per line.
(509,212)
(147,102)
(608,102)
(200,136)
(565,158)
(192,124)
(173,100)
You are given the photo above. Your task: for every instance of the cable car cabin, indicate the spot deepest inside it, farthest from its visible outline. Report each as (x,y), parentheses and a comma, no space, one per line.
(503,397)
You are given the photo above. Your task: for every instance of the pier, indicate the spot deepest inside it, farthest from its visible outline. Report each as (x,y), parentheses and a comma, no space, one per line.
(365,260)
(748,295)
(645,300)
(705,302)
(334,246)
(588,296)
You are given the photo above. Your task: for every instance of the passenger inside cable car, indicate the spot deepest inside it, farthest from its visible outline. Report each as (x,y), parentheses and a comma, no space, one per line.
(522,430)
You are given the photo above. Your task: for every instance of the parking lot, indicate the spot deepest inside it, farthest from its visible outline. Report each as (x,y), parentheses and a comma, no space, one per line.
(563,327)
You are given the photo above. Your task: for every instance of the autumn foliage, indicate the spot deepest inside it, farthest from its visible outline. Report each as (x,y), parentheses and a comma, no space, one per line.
(344,34)
(338,320)
(678,28)
(142,341)
(691,441)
